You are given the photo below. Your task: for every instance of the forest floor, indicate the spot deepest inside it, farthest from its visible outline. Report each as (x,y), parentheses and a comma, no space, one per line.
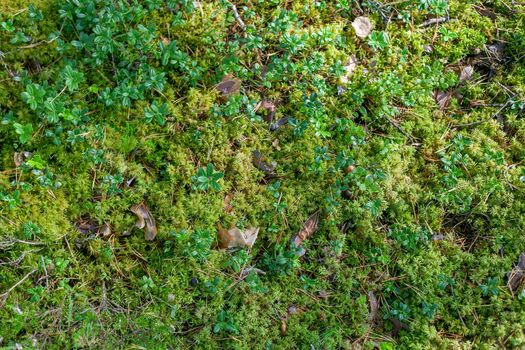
(262,174)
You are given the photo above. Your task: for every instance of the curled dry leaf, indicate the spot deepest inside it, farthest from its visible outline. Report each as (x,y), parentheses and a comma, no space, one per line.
(349,69)
(164,40)
(266,168)
(104,231)
(466,73)
(290,311)
(268,105)
(20,157)
(279,123)
(374,307)
(86,226)
(246,271)
(229,85)
(283,326)
(228,207)
(235,238)
(362,26)
(516,275)
(442,99)
(145,220)
(309,227)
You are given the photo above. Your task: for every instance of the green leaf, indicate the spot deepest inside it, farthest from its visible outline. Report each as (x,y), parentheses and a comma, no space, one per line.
(34,95)
(8,26)
(73,78)
(24,132)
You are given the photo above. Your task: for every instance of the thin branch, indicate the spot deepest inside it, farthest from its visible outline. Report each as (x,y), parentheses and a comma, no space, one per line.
(432,21)
(4,295)
(398,127)
(483,121)
(236,15)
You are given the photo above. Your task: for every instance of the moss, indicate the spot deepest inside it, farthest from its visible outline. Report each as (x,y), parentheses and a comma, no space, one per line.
(420,174)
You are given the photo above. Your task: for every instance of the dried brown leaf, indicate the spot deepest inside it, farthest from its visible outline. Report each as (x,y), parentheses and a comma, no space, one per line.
(20,157)
(228,207)
(279,123)
(362,26)
(145,220)
(350,67)
(235,238)
(229,85)
(86,226)
(104,231)
(309,227)
(266,168)
(516,275)
(442,99)
(374,307)
(268,105)
(283,326)
(466,73)
(246,271)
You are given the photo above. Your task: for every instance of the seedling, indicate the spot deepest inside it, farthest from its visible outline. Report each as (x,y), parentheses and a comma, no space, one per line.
(207,178)
(447,35)
(34,95)
(24,132)
(156,112)
(378,40)
(225,323)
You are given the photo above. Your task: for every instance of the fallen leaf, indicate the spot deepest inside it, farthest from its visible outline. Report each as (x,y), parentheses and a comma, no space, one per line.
(20,157)
(516,275)
(277,124)
(438,237)
(229,85)
(442,99)
(164,40)
(86,226)
(246,271)
(104,230)
(266,168)
(309,227)
(466,73)
(235,238)
(227,206)
(398,326)
(268,105)
(283,326)
(374,307)
(290,311)
(362,26)
(349,69)
(349,169)
(145,219)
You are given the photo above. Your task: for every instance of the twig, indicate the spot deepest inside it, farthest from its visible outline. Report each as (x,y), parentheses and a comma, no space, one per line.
(483,121)
(4,295)
(45,270)
(236,15)
(400,129)
(433,21)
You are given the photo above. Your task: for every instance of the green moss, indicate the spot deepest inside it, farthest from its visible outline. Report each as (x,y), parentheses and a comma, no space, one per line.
(432,211)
